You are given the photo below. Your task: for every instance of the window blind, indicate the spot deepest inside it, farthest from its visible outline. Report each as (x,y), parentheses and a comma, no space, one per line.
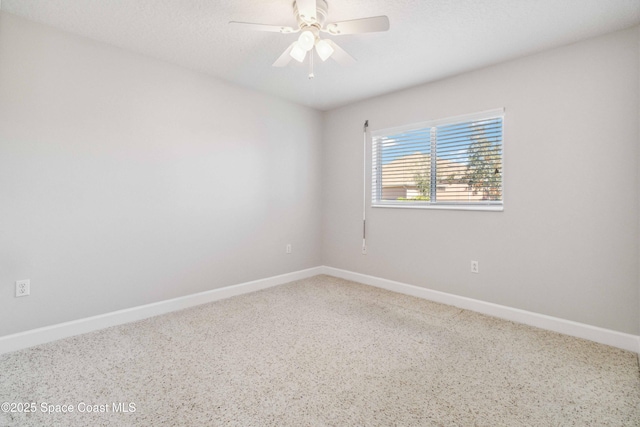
(450,162)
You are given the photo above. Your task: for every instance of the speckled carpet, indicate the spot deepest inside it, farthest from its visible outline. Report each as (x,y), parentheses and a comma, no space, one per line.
(321,352)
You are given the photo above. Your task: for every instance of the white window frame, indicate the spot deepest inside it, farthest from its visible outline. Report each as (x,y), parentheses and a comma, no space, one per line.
(376,169)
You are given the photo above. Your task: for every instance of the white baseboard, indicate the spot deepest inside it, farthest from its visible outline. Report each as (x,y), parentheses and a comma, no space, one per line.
(46,334)
(567,327)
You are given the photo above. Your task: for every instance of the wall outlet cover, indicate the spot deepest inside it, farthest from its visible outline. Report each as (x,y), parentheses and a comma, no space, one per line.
(475,267)
(23,288)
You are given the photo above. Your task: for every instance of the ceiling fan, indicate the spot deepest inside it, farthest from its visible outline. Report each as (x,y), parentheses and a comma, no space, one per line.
(311,16)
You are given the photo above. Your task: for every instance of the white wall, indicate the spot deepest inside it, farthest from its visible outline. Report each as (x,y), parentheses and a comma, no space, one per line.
(125,180)
(566,244)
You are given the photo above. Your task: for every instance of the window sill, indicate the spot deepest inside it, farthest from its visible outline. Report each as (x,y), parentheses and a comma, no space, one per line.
(487,208)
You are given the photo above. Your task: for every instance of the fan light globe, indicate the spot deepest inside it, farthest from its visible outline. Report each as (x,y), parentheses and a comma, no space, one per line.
(298,53)
(324,49)
(306,40)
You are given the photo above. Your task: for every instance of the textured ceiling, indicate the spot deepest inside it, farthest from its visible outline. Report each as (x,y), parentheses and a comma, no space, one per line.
(428,40)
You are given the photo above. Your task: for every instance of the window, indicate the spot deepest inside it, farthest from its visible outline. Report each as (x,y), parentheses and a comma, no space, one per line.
(450,163)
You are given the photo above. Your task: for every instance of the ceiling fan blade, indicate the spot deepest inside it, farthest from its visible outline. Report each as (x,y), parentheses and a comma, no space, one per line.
(284,59)
(307,10)
(340,56)
(264,27)
(364,25)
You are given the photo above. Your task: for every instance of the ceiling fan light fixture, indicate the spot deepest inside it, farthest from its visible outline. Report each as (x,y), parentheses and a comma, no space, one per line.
(306,40)
(297,52)
(324,49)
(311,19)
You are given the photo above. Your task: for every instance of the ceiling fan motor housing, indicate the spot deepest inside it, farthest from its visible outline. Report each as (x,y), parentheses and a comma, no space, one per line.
(322,9)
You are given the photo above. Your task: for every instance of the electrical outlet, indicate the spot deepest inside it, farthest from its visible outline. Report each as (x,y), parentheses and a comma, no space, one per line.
(23,288)
(475,267)
(288,248)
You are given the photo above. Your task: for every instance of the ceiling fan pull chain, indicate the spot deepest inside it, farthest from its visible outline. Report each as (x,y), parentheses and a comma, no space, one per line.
(311,65)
